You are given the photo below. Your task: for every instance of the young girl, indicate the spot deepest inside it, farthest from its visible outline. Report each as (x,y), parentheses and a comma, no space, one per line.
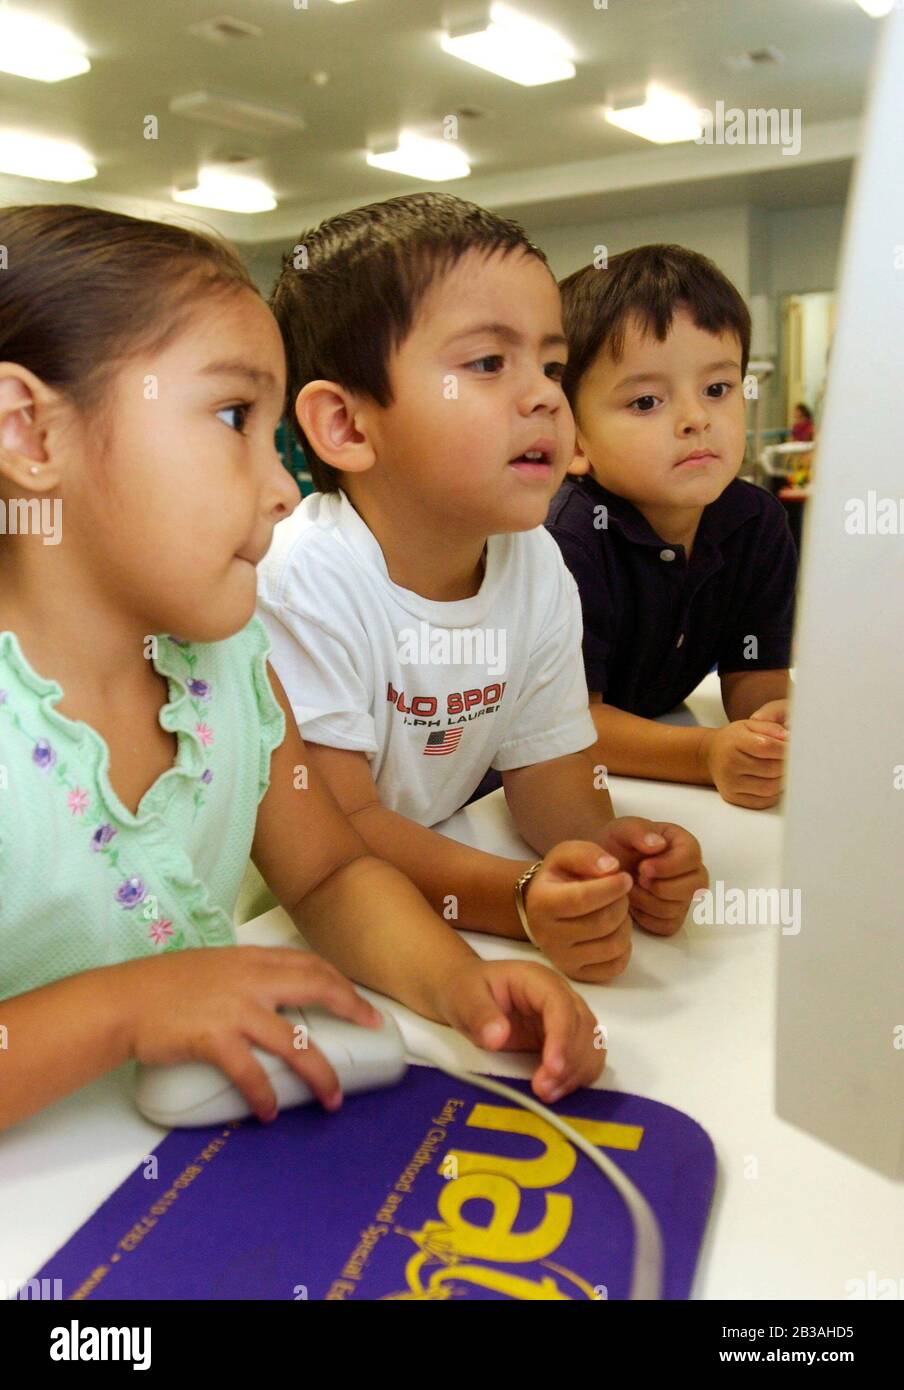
(146,747)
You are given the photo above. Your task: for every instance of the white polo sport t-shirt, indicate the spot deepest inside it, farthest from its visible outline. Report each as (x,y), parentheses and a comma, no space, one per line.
(433,693)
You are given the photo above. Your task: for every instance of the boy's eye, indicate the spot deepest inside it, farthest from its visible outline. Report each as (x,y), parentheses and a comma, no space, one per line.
(239,413)
(723,387)
(485,366)
(555,370)
(643,404)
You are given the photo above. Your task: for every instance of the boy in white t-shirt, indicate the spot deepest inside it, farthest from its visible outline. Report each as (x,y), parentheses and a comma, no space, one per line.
(422,621)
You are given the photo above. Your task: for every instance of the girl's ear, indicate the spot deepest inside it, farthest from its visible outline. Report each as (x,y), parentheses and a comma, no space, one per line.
(23,455)
(327,414)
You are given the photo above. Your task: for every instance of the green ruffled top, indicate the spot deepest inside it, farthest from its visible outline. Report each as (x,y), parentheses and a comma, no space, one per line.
(84,882)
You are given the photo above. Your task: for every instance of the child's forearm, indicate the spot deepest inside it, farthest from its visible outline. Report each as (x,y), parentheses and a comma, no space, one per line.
(59,1038)
(469,888)
(563,799)
(744,693)
(633,747)
(371,922)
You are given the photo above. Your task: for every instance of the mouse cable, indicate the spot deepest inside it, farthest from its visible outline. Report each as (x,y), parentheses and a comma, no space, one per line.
(646,1272)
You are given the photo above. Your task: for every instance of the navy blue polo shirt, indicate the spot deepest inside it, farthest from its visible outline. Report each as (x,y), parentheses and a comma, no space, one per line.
(656,623)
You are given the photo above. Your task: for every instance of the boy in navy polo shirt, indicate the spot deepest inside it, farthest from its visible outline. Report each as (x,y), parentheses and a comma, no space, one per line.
(679,564)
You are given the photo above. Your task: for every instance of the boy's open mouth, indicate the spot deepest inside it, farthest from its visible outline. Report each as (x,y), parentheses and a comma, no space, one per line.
(535,461)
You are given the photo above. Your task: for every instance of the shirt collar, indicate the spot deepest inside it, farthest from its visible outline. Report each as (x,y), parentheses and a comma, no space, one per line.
(735,506)
(465,612)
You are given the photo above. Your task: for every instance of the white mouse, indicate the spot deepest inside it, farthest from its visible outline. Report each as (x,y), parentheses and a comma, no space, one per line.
(198,1093)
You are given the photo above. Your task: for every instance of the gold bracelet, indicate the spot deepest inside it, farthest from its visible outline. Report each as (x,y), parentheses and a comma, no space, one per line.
(520,886)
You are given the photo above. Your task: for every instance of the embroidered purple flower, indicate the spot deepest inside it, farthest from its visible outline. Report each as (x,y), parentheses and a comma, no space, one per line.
(205,734)
(160,931)
(179,641)
(102,836)
(207,776)
(200,688)
(43,756)
(78,801)
(131,892)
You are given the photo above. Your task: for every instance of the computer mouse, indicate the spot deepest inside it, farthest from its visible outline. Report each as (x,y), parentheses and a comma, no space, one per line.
(198,1093)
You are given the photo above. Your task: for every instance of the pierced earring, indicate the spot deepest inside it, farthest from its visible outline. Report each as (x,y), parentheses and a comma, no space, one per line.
(34,469)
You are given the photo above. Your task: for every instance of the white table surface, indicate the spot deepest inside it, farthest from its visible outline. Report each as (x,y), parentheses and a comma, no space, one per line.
(690,1024)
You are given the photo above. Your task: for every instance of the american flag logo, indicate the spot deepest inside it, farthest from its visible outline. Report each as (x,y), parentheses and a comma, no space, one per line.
(439,744)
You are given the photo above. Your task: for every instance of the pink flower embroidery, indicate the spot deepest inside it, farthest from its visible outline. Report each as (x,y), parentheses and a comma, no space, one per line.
(204,734)
(160,931)
(78,801)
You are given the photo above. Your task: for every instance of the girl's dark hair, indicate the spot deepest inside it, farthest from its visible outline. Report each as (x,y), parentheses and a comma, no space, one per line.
(350,289)
(647,284)
(82,289)
(804,409)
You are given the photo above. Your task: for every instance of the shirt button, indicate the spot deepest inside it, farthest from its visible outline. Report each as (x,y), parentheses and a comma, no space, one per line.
(666,554)
(680,641)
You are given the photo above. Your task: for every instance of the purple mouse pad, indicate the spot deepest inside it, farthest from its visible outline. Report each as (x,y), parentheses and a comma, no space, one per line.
(429,1190)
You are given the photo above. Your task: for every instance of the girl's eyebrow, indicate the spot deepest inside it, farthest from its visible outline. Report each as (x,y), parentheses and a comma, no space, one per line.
(236,367)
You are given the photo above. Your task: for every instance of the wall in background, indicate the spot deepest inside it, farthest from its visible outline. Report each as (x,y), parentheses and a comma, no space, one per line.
(722,234)
(802,254)
(264,262)
(804,249)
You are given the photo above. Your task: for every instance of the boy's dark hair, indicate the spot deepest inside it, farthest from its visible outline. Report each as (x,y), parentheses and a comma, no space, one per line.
(349,291)
(647,284)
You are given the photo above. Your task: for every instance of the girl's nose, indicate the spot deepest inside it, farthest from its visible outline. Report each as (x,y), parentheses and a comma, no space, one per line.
(285,493)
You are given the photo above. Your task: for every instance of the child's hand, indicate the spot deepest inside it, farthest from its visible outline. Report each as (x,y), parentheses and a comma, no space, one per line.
(577,907)
(515,1006)
(667,866)
(746,760)
(774,712)
(214,1003)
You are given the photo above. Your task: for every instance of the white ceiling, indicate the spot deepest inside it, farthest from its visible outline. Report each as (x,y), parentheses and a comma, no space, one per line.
(542,153)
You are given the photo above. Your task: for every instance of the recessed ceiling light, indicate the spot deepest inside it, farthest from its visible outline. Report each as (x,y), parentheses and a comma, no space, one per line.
(662,116)
(877,9)
(511,46)
(35,157)
(229,192)
(34,48)
(433,161)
